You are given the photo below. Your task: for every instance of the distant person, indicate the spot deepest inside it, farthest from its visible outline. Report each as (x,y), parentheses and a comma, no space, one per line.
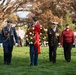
(8,34)
(74,39)
(20,34)
(53,40)
(67,40)
(0,37)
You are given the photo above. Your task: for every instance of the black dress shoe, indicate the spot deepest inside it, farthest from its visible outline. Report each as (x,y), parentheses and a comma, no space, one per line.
(68,60)
(5,63)
(54,62)
(31,64)
(50,60)
(8,63)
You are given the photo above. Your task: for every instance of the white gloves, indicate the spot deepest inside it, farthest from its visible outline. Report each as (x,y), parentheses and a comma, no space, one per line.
(1,44)
(16,44)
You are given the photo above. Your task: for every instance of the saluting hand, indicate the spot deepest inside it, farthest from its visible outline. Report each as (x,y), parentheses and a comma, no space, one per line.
(59,44)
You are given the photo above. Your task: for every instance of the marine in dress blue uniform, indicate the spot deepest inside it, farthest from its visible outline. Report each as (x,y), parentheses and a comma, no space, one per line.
(8,34)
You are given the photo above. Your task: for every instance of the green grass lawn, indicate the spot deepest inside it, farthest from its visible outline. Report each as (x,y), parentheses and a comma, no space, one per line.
(20,63)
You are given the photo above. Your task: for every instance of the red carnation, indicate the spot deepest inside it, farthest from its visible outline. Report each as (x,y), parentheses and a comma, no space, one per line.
(27,33)
(28,36)
(5,33)
(42,29)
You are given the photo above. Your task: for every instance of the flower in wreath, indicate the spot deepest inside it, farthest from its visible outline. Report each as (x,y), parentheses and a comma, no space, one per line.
(30,35)
(43,34)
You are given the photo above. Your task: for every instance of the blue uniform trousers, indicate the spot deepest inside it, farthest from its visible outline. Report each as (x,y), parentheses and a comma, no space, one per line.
(33,55)
(7,54)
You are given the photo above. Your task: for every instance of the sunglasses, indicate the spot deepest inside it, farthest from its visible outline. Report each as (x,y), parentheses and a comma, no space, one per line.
(9,22)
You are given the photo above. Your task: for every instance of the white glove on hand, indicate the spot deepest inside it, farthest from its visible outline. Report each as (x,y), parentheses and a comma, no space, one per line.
(1,44)
(16,44)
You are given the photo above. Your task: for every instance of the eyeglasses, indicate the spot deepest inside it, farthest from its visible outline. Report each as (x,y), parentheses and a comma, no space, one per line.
(9,22)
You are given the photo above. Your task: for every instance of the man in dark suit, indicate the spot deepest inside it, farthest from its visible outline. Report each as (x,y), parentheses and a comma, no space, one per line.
(8,34)
(53,39)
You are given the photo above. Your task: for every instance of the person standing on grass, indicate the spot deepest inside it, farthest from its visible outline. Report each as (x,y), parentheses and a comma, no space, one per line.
(8,34)
(37,42)
(35,47)
(20,34)
(0,37)
(30,40)
(53,40)
(67,40)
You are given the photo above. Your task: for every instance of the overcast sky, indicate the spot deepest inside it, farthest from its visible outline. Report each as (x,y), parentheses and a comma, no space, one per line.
(20,14)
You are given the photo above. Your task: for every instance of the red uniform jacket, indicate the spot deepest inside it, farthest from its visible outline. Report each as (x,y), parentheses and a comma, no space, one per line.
(37,36)
(67,37)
